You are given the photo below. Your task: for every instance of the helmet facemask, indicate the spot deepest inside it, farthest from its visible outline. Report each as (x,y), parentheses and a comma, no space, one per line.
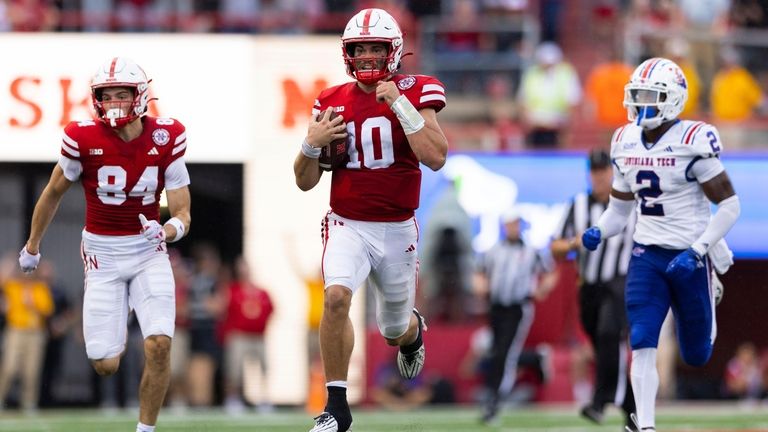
(119,112)
(123,73)
(369,69)
(374,26)
(655,95)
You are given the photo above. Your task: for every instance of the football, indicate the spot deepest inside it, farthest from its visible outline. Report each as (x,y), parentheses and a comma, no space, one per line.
(334,155)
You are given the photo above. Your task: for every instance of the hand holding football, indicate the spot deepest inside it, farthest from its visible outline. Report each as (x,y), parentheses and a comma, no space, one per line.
(334,155)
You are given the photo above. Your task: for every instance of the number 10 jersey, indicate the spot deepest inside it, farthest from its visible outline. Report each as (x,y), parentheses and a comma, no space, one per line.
(382,180)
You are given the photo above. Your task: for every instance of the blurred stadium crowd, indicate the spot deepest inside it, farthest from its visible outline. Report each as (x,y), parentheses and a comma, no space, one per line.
(520,74)
(489,55)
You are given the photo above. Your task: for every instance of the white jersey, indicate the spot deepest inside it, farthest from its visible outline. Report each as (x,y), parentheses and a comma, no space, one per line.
(672,209)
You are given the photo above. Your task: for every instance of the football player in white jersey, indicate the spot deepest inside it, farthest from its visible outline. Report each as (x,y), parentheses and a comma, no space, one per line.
(667,170)
(123,159)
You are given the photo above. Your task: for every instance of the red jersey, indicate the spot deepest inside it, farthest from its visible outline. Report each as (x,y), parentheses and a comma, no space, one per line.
(248,310)
(122,179)
(382,180)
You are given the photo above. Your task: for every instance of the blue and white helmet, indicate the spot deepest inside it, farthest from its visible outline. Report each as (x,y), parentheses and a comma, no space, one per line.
(656,93)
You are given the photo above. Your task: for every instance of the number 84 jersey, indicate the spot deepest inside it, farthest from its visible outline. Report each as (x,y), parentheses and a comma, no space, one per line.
(672,208)
(122,179)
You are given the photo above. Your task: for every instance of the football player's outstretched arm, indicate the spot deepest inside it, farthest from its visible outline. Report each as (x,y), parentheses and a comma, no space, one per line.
(46,208)
(179,205)
(320,132)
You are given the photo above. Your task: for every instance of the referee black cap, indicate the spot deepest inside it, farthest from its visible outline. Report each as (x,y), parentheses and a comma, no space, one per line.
(598,159)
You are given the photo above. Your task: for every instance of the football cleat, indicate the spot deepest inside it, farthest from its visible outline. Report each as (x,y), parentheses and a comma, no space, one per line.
(635,426)
(592,413)
(326,422)
(717,287)
(410,365)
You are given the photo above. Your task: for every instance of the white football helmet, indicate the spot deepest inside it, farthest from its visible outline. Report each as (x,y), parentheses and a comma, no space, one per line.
(656,93)
(372,25)
(120,72)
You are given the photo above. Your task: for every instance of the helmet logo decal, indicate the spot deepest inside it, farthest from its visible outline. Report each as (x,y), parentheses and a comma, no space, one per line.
(161,137)
(406,83)
(680,79)
(367,23)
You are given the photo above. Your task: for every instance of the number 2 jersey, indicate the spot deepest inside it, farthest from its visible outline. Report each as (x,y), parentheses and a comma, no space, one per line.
(122,179)
(665,179)
(382,180)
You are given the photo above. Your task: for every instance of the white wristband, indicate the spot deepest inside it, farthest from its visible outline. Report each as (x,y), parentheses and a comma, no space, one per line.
(309,151)
(409,117)
(179,225)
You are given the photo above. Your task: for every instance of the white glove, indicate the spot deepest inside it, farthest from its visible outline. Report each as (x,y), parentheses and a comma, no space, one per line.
(27,261)
(152,230)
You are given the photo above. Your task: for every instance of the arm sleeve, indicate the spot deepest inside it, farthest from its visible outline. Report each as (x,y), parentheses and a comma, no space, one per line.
(615,217)
(728,211)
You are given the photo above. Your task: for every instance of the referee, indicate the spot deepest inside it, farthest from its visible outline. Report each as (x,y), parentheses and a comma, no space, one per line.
(601,289)
(509,272)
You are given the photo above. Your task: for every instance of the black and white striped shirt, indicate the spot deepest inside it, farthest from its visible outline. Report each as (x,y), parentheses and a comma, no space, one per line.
(512,269)
(611,258)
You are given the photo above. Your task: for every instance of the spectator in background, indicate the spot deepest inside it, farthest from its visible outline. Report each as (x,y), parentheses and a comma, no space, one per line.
(709,19)
(247,312)
(549,92)
(509,273)
(736,96)
(604,89)
(394,393)
(96,15)
(445,270)
(28,303)
(182,277)
(33,15)
(5,19)
(743,377)
(461,43)
(678,50)
(205,306)
(58,325)
(753,15)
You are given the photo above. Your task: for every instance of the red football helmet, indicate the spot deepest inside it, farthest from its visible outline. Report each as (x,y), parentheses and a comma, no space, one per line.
(120,72)
(372,25)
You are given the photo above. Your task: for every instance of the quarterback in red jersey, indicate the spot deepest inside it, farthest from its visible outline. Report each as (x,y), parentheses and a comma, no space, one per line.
(124,159)
(390,123)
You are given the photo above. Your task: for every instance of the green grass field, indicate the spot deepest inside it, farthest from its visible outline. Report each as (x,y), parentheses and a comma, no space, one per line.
(713,417)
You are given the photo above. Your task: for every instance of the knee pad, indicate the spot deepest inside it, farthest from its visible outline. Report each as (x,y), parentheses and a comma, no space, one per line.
(99,350)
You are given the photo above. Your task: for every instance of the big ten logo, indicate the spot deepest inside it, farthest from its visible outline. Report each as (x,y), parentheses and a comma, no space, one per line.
(35,99)
(300,100)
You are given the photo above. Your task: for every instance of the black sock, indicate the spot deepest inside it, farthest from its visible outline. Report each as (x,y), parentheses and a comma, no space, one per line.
(338,407)
(415,345)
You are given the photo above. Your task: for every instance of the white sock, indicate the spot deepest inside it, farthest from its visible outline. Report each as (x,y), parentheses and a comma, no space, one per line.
(141,427)
(336,384)
(645,384)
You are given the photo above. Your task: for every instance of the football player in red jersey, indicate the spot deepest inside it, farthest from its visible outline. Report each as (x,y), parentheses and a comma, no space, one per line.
(124,159)
(390,123)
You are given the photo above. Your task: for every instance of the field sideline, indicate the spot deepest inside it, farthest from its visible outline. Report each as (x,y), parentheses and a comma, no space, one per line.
(678,418)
